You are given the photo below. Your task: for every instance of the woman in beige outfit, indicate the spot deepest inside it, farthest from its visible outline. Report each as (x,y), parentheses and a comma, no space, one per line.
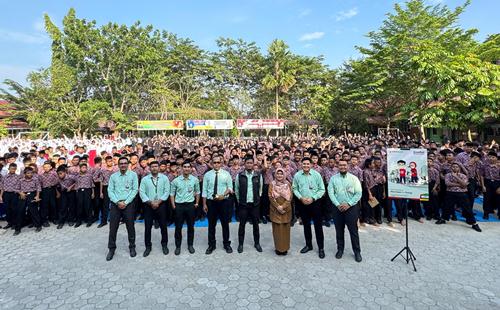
(280,196)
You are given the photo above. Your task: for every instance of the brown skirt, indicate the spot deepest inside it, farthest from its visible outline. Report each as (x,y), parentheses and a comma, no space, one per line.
(281,236)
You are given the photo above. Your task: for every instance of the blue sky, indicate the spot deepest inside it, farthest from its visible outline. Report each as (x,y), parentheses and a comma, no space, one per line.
(329,28)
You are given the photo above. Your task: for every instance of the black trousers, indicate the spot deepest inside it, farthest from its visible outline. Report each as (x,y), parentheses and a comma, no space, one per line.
(264,201)
(10,200)
(461,200)
(84,205)
(105,205)
(32,207)
(96,202)
(115,215)
(313,213)
(48,206)
(471,191)
(416,209)
(376,212)
(401,207)
(245,213)
(184,212)
(491,198)
(218,209)
(365,206)
(347,218)
(431,207)
(161,215)
(67,207)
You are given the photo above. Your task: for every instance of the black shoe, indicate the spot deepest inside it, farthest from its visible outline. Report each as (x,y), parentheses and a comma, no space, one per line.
(379,222)
(326,223)
(306,249)
(209,250)
(476,228)
(357,257)
(321,253)
(228,249)
(453,217)
(441,221)
(89,224)
(17,232)
(46,224)
(177,251)
(60,226)
(110,255)
(77,224)
(133,253)
(102,225)
(8,226)
(429,218)
(157,225)
(339,254)
(264,220)
(191,249)
(240,248)
(71,223)
(258,247)
(146,252)
(38,229)
(165,250)
(31,226)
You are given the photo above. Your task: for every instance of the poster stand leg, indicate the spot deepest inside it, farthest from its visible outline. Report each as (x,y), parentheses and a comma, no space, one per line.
(409,254)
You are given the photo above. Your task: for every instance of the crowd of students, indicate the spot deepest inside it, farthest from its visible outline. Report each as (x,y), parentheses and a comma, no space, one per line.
(66,181)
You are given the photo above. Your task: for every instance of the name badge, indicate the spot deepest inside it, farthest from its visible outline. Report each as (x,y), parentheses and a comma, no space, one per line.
(190,189)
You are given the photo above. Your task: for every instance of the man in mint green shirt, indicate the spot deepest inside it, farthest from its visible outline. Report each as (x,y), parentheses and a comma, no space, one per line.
(217,186)
(308,187)
(122,189)
(185,196)
(344,190)
(154,192)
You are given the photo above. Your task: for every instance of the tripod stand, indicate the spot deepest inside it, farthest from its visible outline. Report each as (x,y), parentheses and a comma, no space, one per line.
(409,254)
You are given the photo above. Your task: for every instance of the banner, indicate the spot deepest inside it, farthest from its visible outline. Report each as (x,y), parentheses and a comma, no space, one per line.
(407,175)
(260,123)
(160,125)
(209,124)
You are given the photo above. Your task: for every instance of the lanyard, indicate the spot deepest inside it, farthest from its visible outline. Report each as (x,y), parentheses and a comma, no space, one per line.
(155,184)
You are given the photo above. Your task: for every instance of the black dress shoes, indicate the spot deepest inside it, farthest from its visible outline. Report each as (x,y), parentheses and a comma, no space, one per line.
(476,228)
(258,247)
(228,249)
(60,226)
(357,257)
(240,248)
(110,255)
(339,254)
(321,253)
(191,249)
(38,229)
(102,225)
(177,251)
(146,252)
(17,232)
(133,253)
(77,224)
(165,250)
(306,249)
(89,224)
(210,250)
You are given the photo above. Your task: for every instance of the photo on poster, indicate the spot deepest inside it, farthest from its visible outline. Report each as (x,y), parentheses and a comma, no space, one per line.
(407,176)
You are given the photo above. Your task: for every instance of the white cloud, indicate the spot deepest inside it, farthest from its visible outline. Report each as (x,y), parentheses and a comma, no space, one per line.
(305,12)
(27,38)
(312,36)
(343,15)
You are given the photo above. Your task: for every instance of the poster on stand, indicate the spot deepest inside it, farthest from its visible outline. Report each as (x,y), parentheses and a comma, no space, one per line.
(407,176)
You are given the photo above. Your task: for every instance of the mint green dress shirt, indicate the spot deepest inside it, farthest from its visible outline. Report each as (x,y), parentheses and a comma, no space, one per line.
(123,187)
(185,189)
(224,181)
(308,185)
(344,189)
(154,189)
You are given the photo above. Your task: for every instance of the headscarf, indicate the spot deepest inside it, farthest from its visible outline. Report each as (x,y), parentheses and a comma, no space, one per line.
(281,188)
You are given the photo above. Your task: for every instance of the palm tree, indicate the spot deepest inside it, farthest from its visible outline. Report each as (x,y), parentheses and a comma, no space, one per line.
(282,77)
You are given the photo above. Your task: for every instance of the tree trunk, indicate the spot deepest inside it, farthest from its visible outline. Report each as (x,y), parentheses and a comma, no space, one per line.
(469,134)
(276,99)
(422,131)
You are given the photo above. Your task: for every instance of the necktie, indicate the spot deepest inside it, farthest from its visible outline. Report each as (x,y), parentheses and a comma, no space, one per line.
(215,183)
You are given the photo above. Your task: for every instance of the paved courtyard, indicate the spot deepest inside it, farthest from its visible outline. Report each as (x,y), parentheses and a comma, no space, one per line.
(458,268)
